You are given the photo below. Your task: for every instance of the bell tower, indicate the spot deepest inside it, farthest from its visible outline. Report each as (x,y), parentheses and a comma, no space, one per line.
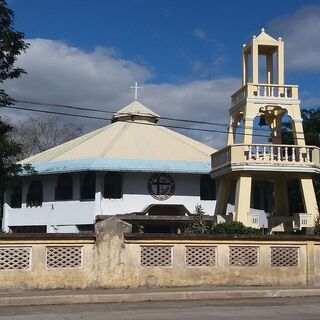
(265,96)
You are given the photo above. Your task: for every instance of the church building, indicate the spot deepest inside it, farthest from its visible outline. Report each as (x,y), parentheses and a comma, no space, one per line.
(153,177)
(132,167)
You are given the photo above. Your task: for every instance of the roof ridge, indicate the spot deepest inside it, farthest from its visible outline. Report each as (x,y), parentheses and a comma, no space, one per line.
(115,139)
(179,136)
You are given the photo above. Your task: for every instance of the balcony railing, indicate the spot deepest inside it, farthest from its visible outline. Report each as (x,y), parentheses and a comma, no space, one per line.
(266,154)
(265,91)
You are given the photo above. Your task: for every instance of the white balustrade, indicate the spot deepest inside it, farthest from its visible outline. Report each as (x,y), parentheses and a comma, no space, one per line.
(264,91)
(274,91)
(279,153)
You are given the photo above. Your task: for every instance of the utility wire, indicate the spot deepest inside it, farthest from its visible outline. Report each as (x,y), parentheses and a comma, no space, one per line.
(58,113)
(119,113)
(63,106)
(135,122)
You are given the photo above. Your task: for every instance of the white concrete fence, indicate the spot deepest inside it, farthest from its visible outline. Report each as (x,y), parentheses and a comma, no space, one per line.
(115,258)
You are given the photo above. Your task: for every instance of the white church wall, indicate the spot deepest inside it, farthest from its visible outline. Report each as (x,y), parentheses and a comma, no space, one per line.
(136,196)
(57,216)
(63,216)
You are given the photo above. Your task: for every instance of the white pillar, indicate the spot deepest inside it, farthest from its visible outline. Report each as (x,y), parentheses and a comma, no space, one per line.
(243,197)
(98,194)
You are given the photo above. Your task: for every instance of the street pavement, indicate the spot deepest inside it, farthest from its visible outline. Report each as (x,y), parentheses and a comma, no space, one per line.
(9,298)
(307,308)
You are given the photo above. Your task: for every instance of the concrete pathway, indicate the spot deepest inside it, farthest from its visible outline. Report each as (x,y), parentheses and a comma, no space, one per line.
(239,309)
(57,297)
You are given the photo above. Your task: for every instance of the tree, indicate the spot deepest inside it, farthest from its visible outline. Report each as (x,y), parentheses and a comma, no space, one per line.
(198,224)
(37,134)
(311,128)
(11,45)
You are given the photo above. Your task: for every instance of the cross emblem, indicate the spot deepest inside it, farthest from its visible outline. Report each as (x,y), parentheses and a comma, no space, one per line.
(135,87)
(161,186)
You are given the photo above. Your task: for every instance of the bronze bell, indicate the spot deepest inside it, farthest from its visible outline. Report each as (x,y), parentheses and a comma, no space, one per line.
(262,121)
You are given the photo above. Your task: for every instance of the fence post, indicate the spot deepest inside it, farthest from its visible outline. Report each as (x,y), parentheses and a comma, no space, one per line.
(310,258)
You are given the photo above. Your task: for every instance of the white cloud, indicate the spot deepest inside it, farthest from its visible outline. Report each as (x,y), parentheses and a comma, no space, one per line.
(200,34)
(300,32)
(58,73)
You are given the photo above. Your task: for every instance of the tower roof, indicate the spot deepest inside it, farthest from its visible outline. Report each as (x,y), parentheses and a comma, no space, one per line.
(264,36)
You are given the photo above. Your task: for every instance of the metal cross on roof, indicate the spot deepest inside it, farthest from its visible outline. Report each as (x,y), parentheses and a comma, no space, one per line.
(135,87)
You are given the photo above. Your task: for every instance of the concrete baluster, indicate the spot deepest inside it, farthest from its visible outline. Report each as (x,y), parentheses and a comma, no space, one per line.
(250,152)
(308,154)
(294,154)
(300,155)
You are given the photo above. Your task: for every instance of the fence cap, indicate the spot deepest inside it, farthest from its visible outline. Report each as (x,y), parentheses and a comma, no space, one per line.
(186,236)
(48,236)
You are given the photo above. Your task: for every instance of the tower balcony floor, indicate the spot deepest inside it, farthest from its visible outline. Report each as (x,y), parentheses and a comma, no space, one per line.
(265,93)
(266,157)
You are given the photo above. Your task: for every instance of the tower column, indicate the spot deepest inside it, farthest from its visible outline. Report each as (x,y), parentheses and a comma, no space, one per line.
(243,198)
(247,130)
(222,196)
(281,196)
(297,130)
(309,197)
(244,68)
(231,132)
(255,63)
(280,63)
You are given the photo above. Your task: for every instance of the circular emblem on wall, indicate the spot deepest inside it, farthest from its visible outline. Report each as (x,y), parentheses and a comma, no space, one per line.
(161,186)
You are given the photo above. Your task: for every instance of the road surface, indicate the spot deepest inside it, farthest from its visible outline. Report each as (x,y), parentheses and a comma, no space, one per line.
(245,309)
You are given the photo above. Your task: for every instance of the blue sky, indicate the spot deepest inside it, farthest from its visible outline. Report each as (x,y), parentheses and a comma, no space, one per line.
(169,36)
(186,53)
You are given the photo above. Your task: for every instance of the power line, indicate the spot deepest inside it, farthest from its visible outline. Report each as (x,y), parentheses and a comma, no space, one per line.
(119,113)
(63,106)
(135,122)
(58,113)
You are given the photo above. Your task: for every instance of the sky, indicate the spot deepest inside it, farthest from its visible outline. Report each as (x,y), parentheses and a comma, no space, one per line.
(186,54)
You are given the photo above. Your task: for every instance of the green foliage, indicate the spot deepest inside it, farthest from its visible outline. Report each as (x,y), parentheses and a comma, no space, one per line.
(317,226)
(8,150)
(198,225)
(233,227)
(11,45)
(311,128)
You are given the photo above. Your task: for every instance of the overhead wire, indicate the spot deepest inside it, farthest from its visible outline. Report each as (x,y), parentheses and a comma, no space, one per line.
(135,122)
(119,113)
